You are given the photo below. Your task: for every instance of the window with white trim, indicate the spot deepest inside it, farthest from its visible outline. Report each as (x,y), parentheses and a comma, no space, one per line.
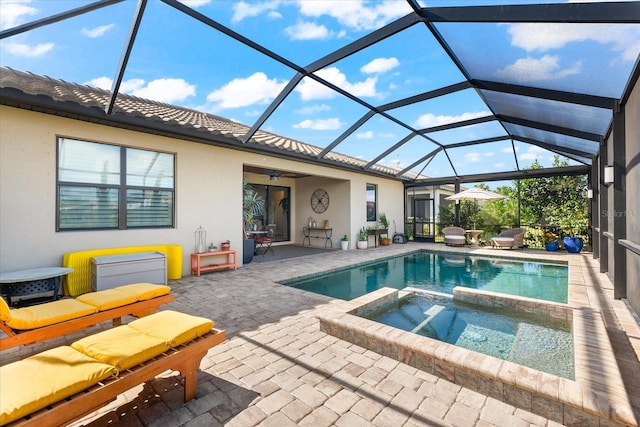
(103,186)
(372,196)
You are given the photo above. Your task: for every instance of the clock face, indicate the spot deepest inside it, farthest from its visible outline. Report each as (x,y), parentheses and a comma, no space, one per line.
(319,200)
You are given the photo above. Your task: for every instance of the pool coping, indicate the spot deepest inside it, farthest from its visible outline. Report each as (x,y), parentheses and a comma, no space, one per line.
(591,399)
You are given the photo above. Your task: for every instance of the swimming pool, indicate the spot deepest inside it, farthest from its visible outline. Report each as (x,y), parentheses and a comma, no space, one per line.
(538,342)
(441,272)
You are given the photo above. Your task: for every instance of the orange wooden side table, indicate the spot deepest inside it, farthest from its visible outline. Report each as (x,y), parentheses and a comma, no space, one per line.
(196,261)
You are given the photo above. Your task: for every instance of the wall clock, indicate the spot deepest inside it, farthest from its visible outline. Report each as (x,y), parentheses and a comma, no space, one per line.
(319,200)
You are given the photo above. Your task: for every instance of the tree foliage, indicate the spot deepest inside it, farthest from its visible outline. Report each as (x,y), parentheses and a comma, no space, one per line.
(556,204)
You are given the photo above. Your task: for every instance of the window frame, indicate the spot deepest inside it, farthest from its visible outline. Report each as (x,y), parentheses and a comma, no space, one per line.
(122,189)
(371,187)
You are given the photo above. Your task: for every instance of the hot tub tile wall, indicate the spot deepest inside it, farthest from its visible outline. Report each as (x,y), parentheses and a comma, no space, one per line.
(527,305)
(559,399)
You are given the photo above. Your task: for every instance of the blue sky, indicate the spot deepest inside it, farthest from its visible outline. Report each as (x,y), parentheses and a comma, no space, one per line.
(183,62)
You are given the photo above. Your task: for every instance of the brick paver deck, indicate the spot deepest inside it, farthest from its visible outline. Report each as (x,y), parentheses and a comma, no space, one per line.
(277,369)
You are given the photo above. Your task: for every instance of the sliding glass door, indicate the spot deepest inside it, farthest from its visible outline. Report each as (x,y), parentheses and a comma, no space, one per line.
(275,216)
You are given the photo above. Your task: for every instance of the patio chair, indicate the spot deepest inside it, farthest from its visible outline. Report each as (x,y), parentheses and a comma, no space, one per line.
(511,238)
(263,243)
(454,236)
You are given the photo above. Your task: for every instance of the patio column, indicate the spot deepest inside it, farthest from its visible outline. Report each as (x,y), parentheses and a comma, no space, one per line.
(457,204)
(619,205)
(594,177)
(603,201)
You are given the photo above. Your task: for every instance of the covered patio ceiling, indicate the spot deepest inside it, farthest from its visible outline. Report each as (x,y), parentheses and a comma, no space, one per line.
(468,92)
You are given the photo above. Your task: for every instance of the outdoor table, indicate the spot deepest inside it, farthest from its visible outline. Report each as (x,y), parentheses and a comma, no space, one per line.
(32,282)
(317,233)
(474,236)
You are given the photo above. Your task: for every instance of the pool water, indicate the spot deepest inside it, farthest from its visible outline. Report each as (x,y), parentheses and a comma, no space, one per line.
(442,272)
(537,342)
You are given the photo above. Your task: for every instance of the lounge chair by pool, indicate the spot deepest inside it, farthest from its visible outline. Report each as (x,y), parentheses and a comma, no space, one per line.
(454,236)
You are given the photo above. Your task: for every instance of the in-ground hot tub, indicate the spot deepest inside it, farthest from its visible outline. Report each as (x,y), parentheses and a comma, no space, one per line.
(540,342)
(556,398)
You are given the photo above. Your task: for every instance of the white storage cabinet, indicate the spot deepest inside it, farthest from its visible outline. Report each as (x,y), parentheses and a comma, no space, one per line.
(114,270)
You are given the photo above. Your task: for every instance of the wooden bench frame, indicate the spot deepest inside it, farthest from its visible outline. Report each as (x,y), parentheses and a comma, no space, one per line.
(185,359)
(31,336)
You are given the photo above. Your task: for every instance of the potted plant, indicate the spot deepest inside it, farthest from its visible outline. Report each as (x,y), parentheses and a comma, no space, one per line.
(572,220)
(252,205)
(363,238)
(344,243)
(226,245)
(385,241)
(384,222)
(550,241)
(212,247)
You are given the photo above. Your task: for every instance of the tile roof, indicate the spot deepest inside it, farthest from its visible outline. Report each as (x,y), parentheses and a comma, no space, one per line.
(212,127)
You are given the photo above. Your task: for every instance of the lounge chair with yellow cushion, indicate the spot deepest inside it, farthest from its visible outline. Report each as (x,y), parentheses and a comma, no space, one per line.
(65,383)
(28,325)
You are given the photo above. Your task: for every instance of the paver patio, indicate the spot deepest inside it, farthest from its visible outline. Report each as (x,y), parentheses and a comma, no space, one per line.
(278,369)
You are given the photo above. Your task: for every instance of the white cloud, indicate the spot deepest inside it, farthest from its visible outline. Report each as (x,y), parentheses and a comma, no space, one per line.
(321,124)
(532,69)
(380,65)
(255,89)
(313,109)
(97,31)
(166,90)
(472,157)
(365,135)
(310,89)
(307,31)
(242,10)
(355,14)
(543,37)
(24,50)
(533,152)
(499,165)
(194,3)
(253,113)
(489,154)
(430,120)
(396,163)
(100,82)
(130,86)
(530,156)
(15,13)
(161,90)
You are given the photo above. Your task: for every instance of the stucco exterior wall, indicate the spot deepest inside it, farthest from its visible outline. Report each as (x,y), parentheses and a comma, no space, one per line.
(632,152)
(208,192)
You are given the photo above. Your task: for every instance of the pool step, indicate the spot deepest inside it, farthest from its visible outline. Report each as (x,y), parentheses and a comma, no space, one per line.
(438,323)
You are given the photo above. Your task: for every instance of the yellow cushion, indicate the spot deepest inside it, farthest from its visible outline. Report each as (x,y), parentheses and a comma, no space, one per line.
(122,347)
(5,311)
(38,381)
(37,316)
(173,327)
(145,291)
(107,299)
